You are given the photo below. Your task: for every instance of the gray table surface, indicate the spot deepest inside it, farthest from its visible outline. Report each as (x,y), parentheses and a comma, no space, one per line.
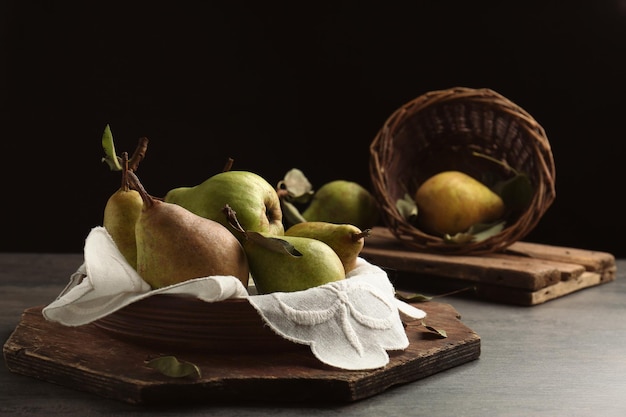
(566,357)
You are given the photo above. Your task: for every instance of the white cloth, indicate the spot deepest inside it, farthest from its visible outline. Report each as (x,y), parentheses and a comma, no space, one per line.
(348,324)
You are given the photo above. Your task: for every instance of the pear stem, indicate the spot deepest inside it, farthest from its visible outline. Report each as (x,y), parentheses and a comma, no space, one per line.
(139,154)
(229,165)
(231,216)
(136,185)
(364,233)
(124,186)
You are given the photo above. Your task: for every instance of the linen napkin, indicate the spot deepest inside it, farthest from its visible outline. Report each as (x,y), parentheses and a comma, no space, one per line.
(349,324)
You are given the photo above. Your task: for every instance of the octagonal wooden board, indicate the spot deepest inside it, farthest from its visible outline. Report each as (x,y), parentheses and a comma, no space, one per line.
(86,358)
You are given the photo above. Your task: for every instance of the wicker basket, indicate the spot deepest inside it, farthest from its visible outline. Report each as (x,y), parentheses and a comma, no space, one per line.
(439,131)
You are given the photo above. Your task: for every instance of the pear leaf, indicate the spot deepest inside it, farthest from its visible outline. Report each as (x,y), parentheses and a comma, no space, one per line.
(109,150)
(407,208)
(412,297)
(476,233)
(442,333)
(459,238)
(274,244)
(297,185)
(291,214)
(171,366)
(516,192)
(485,231)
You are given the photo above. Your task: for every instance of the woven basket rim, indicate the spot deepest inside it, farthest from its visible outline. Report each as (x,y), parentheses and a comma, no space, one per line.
(537,145)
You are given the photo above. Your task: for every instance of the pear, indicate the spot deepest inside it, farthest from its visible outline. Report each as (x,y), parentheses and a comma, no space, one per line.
(344,202)
(121,212)
(175,245)
(346,240)
(250,195)
(450,202)
(287,263)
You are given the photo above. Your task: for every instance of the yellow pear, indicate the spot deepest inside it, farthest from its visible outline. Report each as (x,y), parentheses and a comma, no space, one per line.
(121,212)
(346,240)
(280,263)
(450,202)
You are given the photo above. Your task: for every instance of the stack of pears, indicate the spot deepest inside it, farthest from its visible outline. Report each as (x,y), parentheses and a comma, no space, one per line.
(232,224)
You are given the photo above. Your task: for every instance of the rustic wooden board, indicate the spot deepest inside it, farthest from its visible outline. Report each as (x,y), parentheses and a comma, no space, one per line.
(525,274)
(86,358)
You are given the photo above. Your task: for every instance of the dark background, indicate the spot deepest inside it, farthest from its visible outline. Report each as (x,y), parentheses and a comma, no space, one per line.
(303,85)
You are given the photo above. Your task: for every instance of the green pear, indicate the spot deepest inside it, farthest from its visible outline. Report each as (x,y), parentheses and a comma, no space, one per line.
(344,202)
(175,245)
(287,263)
(450,202)
(346,240)
(250,195)
(121,212)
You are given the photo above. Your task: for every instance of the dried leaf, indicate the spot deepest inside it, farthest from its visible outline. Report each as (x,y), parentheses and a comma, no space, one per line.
(297,185)
(442,333)
(110,157)
(171,366)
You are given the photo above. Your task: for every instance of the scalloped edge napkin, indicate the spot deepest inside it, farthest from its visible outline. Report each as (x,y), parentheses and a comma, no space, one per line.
(349,324)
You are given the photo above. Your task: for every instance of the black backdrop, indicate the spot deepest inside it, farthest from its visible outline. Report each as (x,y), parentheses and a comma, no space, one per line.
(303,85)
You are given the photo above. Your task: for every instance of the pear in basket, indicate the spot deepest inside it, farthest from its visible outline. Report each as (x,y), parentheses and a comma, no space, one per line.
(287,263)
(346,240)
(450,202)
(254,199)
(345,202)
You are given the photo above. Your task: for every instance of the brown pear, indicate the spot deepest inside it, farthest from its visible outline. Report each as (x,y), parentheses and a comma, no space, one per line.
(120,216)
(175,245)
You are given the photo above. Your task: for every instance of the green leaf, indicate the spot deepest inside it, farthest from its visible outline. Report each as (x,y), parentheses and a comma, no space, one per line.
(407,208)
(412,297)
(476,233)
(516,192)
(171,366)
(109,150)
(273,244)
(482,231)
(291,214)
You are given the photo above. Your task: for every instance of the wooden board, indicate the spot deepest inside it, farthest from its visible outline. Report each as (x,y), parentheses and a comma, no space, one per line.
(524,274)
(86,358)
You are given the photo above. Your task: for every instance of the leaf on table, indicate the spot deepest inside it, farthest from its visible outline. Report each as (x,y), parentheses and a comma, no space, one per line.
(442,333)
(171,366)
(412,297)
